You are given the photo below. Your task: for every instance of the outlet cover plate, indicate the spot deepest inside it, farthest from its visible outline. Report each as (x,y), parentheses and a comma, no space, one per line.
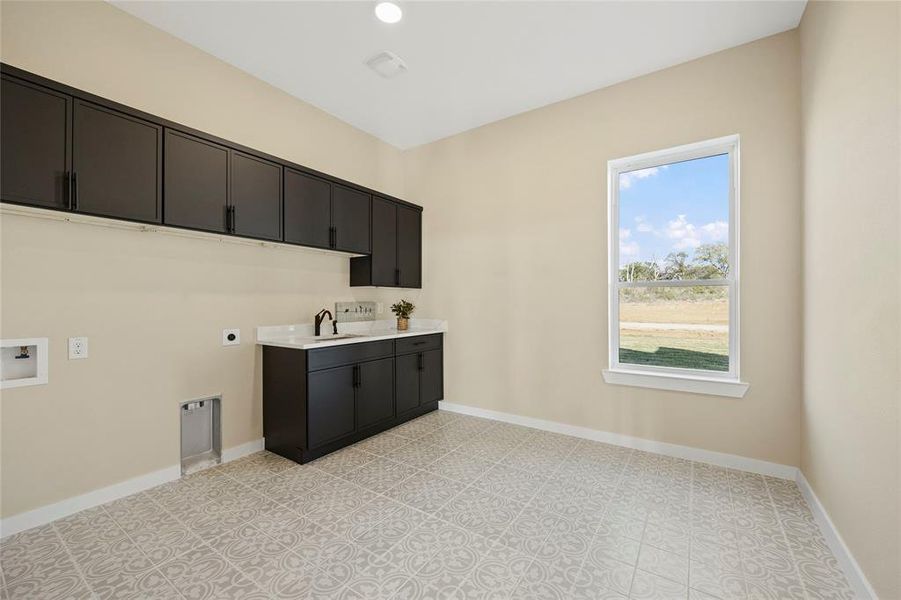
(231,337)
(78,348)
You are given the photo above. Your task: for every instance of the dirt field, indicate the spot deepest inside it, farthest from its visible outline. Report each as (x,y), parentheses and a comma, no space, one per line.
(712,312)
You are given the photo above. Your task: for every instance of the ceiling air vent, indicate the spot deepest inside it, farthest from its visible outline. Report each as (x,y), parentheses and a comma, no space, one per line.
(387,64)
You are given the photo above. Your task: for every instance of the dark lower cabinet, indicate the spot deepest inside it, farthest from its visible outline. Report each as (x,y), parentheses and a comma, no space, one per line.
(196,183)
(308,210)
(375,392)
(117,165)
(431,377)
(317,401)
(420,379)
(35,134)
(256,197)
(406,370)
(330,404)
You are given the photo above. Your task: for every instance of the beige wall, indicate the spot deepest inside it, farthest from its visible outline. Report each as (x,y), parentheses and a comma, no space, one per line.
(152,305)
(514,257)
(850,440)
(517,251)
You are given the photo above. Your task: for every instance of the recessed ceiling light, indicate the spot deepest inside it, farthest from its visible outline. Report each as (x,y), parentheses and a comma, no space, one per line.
(388,12)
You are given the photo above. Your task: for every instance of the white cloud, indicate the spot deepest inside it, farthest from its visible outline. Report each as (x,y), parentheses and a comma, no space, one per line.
(718,231)
(624,234)
(642,225)
(686,235)
(627,179)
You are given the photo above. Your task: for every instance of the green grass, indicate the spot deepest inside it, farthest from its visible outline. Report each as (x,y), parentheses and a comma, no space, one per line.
(675,349)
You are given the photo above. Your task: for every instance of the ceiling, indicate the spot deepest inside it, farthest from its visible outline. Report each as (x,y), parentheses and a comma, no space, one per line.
(469,63)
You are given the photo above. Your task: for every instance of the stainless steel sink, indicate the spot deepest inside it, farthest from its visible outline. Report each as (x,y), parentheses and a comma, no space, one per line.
(340,336)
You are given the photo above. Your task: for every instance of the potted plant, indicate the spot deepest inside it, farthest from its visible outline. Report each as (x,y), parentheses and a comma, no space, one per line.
(403,309)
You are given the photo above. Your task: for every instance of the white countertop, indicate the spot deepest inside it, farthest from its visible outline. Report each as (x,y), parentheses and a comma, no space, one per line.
(301,336)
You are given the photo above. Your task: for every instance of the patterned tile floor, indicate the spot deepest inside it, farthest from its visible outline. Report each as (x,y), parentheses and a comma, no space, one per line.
(447,507)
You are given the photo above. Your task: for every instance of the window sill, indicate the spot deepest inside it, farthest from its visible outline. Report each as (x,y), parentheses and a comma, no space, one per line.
(680,383)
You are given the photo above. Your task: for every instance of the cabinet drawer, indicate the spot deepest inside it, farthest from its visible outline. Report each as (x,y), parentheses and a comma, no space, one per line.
(419,343)
(335,356)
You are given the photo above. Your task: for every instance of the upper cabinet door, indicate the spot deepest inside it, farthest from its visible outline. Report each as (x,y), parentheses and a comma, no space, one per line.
(308,210)
(409,247)
(117,164)
(384,242)
(256,197)
(350,219)
(35,131)
(196,182)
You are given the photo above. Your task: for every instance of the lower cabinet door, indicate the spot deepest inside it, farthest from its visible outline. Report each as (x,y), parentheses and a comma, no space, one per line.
(406,369)
(432,380)
(330,405)
(375,392)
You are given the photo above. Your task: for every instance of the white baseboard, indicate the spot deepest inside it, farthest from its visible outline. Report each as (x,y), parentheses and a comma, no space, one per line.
(64,508)
(732,461)
(852,570)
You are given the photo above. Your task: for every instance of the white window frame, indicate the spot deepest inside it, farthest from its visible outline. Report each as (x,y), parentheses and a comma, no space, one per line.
(673,378)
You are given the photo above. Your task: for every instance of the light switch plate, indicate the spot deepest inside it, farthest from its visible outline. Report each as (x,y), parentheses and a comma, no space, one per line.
(78,348)
(231,337)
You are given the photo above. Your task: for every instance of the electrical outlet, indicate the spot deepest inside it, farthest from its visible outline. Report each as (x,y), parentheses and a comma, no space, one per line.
(78,348)
(231,337)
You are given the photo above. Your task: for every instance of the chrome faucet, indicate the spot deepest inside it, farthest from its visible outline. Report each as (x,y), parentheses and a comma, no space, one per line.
(320,317)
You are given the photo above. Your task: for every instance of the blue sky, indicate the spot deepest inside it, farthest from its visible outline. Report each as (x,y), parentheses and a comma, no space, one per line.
(673,208)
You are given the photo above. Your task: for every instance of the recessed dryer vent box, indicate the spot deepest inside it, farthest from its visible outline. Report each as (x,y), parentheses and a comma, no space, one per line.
(23,361)
(201,434)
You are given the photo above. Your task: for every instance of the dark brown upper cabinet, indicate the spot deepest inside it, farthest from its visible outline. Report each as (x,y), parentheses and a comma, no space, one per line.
(66,149)
(196,183)
(396,258)
(350,219)
(35,136)
(256,197)
(384,242)
(117,165)
(308,210)
(409,247)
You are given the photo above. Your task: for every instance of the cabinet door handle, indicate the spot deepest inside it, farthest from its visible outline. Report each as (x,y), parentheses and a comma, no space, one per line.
(334,241)
(396,276)
(420,362)
(67,188)
(230,219)
(359,376)
(74,202)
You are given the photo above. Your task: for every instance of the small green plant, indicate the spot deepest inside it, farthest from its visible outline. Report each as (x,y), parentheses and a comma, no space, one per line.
(403,309)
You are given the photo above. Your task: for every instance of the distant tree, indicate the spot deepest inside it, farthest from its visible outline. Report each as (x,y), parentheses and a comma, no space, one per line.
(675,266)
(640,271)
(713,257)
